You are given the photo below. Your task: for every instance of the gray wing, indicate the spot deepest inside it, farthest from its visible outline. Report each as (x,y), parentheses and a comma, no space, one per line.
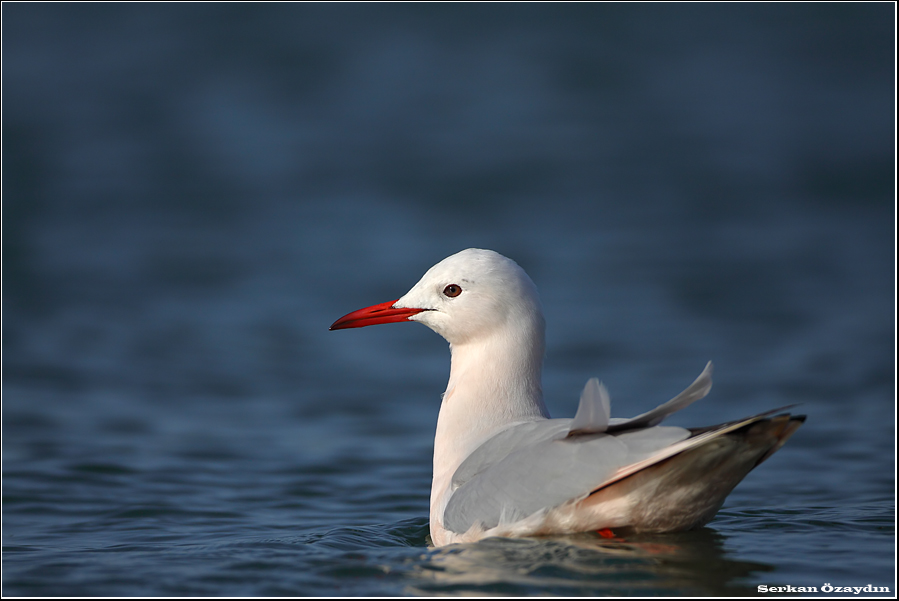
(695,391)
(535,465)
(593,411)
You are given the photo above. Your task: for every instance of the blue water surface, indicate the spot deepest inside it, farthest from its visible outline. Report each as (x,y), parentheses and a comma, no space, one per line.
(193,193)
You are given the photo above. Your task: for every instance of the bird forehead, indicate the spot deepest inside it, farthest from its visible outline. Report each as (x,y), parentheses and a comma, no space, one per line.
(452,274)
(472,265)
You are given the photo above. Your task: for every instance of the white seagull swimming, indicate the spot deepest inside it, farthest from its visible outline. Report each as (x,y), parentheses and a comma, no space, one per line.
(502,467)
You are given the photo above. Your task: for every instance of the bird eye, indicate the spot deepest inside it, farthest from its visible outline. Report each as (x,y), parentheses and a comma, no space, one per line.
(452,291)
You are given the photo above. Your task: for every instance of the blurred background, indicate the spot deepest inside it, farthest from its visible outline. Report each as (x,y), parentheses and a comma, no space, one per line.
(193,193)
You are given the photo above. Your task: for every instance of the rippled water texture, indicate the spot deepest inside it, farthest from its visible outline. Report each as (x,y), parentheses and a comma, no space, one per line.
(193,193)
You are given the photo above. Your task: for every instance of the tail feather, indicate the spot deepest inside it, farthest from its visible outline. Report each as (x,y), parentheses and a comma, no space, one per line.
(685,487)
(782,427)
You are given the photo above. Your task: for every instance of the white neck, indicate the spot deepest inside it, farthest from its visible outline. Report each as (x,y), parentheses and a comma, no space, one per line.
(494,382)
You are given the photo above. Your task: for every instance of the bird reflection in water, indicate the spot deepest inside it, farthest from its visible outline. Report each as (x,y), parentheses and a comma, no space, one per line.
(693,562)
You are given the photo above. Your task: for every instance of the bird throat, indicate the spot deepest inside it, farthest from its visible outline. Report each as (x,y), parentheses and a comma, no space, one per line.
(489,389)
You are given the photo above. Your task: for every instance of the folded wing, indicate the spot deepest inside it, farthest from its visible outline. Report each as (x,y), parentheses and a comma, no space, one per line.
(542,464)
(535,465)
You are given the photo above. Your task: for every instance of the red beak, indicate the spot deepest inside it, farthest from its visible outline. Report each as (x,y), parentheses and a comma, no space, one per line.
(369,316)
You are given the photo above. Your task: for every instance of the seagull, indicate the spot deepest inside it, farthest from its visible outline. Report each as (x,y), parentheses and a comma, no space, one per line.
(502,467)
